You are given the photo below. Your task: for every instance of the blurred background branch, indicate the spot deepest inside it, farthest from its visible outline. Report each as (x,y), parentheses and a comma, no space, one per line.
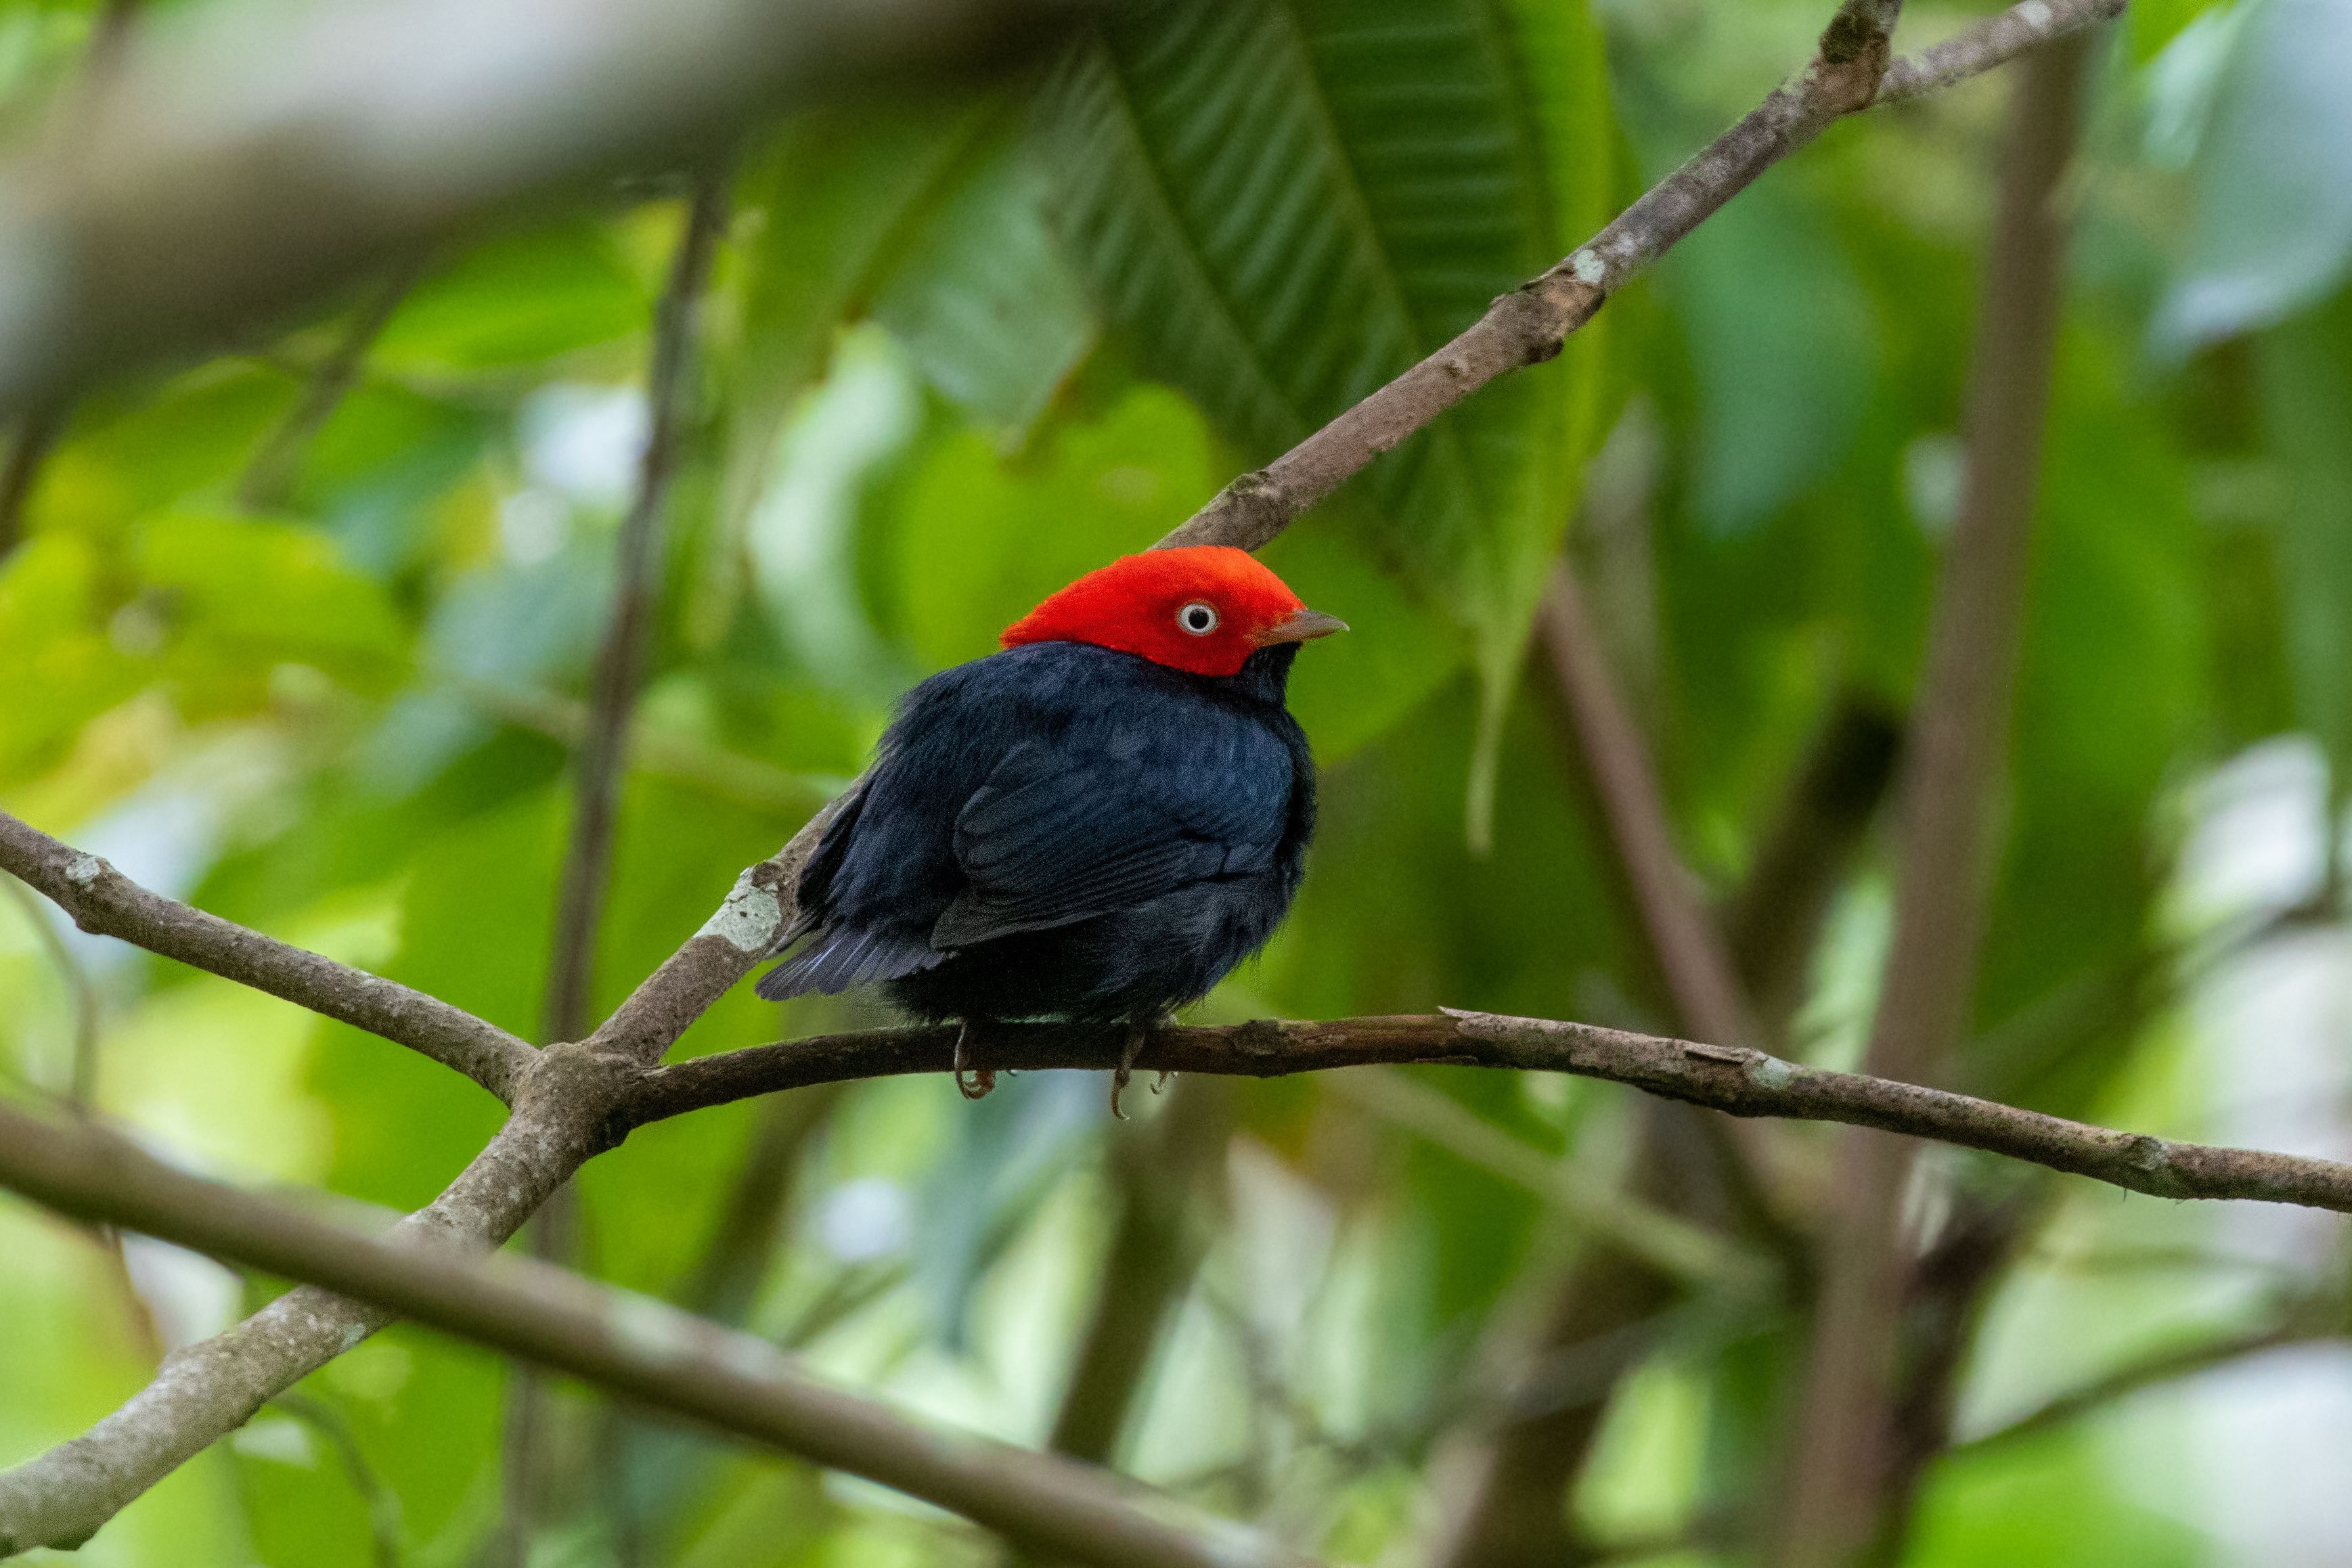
(240,160)
(1956,756)
(599,769)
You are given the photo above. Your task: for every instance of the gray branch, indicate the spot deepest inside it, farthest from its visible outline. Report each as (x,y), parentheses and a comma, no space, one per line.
(653,1354)
(102,900)
(1731,1079)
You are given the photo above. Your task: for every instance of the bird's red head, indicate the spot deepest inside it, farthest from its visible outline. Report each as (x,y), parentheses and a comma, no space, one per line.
(1205,609)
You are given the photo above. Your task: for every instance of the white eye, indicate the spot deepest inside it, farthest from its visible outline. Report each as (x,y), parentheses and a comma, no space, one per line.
(1199,618)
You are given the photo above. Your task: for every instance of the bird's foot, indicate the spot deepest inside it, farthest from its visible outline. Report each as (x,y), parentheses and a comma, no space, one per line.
(981,1079)
(1130,1049)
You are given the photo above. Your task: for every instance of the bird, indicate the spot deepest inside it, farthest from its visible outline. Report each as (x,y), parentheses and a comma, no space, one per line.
(1093,825)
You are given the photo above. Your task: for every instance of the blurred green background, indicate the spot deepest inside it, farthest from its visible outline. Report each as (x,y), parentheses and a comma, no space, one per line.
(315,664)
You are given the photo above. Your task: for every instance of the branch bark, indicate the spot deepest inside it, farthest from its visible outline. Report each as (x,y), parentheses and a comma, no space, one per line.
(1955,759)
(653,1354)
(1741,1081)
(1530,324)
(673,1363)
(103,901)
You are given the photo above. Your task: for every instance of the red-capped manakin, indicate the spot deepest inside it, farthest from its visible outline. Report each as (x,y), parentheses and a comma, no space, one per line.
(1094,824)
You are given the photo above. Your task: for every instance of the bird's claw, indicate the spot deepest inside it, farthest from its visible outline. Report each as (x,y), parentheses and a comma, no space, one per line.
(982,1079)
(1132,1047)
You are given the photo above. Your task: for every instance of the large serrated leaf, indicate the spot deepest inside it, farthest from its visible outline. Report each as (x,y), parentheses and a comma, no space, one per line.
(1283,205)
(980,295)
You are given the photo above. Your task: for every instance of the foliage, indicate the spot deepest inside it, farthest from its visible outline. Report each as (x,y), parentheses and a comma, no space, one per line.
(962,349)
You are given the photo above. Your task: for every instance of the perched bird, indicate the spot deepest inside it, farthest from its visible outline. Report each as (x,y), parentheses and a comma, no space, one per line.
(1094,825)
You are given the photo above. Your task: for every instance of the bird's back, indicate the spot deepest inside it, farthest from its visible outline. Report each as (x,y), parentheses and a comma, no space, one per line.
(1062,830)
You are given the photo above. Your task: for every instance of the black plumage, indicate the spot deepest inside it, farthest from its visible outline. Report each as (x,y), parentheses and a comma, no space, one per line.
(1062,830)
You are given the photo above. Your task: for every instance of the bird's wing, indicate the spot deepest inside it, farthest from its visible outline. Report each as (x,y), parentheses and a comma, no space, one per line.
(1054,838)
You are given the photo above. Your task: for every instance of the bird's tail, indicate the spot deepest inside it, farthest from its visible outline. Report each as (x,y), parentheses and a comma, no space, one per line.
(839,959)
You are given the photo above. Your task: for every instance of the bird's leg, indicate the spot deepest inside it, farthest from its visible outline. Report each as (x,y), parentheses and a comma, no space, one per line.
(1130,1049)
(984,1079)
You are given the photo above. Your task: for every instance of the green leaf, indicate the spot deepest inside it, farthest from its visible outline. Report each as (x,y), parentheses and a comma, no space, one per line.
(233,597)
(2273,190)
(63,669)
(1281,207)
(834,202)
(982,296)
(982,538)
(520,298)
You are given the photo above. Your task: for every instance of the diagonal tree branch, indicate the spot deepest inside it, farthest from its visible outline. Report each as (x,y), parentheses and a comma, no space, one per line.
(653,1354)
(1529,325)
(103,901)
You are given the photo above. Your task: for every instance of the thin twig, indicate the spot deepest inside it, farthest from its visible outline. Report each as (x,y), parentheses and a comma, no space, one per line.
(650,1353)
(103,901)
(269,479)
(598,767)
